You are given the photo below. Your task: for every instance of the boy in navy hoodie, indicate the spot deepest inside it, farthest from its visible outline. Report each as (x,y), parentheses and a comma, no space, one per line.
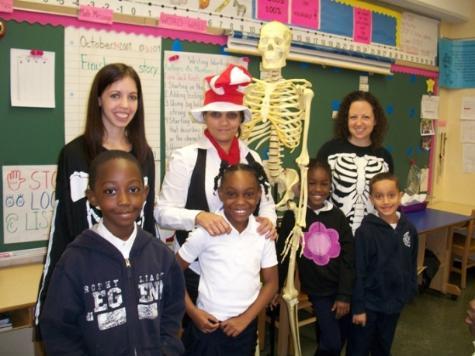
(116,290)
(386,270)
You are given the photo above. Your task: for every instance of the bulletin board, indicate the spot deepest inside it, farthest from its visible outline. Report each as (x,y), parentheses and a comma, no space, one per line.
(35,136)
(30,135)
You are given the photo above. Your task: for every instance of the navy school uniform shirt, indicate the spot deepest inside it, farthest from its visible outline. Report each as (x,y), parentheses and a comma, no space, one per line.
(386,265)
(335,278)
(98,303)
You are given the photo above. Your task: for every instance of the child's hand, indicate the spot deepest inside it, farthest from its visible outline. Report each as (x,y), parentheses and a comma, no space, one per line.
(234,326)
(266,227)
(214,224)
(274,303)
(340,309)
(204,321)
(359,319)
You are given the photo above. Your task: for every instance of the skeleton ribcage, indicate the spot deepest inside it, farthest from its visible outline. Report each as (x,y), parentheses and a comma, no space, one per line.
(351,175)
(276,107)
(277,117)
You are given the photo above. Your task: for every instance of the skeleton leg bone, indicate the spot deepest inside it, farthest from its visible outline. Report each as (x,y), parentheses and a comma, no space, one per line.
(290,293)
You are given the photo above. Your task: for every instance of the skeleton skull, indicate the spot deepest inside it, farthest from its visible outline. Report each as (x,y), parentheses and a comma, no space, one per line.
(274,45)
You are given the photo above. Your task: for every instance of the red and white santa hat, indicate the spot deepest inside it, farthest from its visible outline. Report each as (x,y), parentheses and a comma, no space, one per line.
(225,92)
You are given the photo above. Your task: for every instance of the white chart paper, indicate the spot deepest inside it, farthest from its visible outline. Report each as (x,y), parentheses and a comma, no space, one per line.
(28,202)
(430,107)
(184,90)
(32,78)
(87,51)
(467,111)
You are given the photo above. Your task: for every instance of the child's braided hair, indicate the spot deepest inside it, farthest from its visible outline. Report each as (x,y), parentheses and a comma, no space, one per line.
(255,168)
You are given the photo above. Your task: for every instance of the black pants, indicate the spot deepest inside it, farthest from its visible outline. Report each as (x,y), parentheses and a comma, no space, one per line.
(218,343)
(376,337)
(332,332)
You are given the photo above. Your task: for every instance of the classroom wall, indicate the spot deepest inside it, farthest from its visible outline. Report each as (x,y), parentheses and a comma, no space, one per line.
(454,11)
(451,183)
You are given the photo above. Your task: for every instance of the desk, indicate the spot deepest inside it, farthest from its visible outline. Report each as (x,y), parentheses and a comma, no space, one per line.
(435,232)
(19,290)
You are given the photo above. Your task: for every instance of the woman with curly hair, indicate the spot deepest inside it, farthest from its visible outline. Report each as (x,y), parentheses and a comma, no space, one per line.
(356,154)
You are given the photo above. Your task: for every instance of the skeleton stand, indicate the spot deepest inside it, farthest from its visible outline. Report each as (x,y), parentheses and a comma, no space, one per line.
(278,109)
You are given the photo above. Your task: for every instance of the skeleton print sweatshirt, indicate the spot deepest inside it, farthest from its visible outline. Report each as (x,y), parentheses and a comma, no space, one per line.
(352,168)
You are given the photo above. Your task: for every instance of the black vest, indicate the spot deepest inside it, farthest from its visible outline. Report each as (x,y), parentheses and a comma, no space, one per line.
(196,198)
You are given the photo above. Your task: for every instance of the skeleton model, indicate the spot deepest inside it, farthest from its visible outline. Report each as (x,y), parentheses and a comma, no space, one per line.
(281,114)
(350,183)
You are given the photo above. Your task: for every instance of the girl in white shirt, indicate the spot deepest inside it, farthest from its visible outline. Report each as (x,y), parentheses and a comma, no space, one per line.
(187,198)
(230,294)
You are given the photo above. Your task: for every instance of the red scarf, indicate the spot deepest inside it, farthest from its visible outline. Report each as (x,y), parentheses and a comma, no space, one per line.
(233,156)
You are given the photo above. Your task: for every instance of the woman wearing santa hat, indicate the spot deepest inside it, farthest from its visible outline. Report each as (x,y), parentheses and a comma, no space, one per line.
(187,197)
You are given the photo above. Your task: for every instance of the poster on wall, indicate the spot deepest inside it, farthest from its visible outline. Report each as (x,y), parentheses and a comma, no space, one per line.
(32,78)
(468,158)
(28,202)
(87,51)
(456,64)
(184,74)
(419,35)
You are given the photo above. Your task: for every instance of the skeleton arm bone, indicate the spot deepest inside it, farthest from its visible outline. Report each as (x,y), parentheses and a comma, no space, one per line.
(303,159)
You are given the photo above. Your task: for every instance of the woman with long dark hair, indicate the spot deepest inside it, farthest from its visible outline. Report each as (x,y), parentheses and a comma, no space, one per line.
(114,121)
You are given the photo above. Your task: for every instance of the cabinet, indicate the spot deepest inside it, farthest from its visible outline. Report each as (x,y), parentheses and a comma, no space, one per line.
(19,289)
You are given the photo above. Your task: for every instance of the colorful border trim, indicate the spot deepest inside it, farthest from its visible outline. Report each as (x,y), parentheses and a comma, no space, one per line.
(397,68)
(67,21)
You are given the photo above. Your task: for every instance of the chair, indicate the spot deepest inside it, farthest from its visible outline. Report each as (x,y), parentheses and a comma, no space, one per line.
(463,246)
(284,342)
(281,323)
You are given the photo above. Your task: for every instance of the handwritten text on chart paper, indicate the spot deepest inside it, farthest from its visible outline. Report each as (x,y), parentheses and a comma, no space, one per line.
(28,202)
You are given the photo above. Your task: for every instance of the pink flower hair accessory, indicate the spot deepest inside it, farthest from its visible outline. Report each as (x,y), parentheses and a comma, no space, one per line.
(321,244)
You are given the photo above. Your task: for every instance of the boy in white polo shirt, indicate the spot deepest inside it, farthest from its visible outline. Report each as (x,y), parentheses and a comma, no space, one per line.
(230,295)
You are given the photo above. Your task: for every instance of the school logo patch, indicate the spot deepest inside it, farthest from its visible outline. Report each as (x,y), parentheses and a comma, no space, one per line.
(407,239)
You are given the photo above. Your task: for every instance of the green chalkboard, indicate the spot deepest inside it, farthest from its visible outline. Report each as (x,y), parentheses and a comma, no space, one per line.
(30,135)
(35,136)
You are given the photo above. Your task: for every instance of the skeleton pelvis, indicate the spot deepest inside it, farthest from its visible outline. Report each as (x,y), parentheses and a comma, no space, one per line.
(287,187)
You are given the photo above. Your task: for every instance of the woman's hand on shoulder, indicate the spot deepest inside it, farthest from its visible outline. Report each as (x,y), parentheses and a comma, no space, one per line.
(266,227)
(214,224)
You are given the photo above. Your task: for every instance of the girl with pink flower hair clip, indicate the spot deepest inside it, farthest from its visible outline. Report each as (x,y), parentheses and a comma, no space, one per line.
(326,262)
